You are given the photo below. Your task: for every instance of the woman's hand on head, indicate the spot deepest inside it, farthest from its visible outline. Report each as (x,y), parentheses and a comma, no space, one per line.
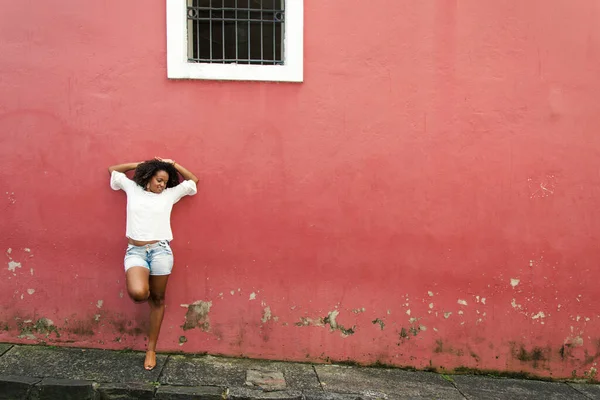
(167,160)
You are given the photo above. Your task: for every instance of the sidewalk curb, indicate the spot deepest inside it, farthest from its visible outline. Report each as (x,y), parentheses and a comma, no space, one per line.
(19,387)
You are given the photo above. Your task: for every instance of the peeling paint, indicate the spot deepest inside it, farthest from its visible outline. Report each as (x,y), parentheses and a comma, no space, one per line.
(430,293)
(99,303)
(12,265)
(30,291)
(331,320)
(42,326)
(304,321)
(252,296)
(538,315)
(358,310)
(575,341)
(447,314)
(266,314)
(430,305)
(514,304)
(197,315)
(462,302)
(514,282)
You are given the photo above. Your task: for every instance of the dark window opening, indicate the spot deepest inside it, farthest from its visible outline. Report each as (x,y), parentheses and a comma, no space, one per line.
(236,31)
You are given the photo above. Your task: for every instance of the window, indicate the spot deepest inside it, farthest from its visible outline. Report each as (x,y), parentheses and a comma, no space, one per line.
(235,39)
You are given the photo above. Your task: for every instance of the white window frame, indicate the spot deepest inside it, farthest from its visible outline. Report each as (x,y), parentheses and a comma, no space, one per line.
(178,66)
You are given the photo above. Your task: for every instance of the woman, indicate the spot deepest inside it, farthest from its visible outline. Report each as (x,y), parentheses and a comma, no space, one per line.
(149,260)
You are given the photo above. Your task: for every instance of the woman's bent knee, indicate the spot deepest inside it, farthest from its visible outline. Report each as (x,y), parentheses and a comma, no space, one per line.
(139,295)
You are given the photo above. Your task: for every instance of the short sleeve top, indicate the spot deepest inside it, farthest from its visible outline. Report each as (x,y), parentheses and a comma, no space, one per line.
(148,213)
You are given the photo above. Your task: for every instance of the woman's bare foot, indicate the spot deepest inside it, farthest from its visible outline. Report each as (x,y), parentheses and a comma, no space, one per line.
(150,361)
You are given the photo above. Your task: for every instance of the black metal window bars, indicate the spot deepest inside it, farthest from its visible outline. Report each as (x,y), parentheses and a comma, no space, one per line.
(236,31)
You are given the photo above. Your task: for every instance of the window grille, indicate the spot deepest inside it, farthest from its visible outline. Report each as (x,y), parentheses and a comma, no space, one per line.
(236,31)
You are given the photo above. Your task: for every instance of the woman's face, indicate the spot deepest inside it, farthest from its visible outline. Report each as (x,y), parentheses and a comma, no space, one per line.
(158,182)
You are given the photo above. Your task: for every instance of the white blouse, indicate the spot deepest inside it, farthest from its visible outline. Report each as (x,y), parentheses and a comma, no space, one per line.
(148,213)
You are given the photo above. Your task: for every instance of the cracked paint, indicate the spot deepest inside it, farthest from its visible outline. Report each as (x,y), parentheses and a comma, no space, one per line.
(380,322)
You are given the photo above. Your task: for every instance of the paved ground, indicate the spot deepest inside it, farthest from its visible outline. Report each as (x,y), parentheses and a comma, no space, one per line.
(36,372)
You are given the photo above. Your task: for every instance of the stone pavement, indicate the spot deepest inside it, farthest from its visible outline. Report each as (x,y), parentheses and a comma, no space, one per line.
(38,372)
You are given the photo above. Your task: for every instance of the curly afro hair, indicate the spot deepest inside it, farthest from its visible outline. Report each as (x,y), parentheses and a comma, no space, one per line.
(146,170)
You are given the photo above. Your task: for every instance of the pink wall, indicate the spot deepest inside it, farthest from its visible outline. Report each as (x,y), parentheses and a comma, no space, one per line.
(436,172)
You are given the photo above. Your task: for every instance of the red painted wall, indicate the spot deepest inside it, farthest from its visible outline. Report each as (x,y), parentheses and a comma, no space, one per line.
(428,197)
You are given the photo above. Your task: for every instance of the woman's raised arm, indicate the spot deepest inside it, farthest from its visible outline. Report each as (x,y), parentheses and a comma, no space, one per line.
(187,174)
(123,167)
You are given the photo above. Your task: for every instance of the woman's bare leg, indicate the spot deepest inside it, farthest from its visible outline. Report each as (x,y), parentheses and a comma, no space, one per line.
(137,284)
(158,287)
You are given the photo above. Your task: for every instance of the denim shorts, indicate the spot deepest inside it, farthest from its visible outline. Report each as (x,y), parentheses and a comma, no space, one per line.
(157,257)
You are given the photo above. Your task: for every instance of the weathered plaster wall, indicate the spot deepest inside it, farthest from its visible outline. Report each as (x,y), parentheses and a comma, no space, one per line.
(428,197)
